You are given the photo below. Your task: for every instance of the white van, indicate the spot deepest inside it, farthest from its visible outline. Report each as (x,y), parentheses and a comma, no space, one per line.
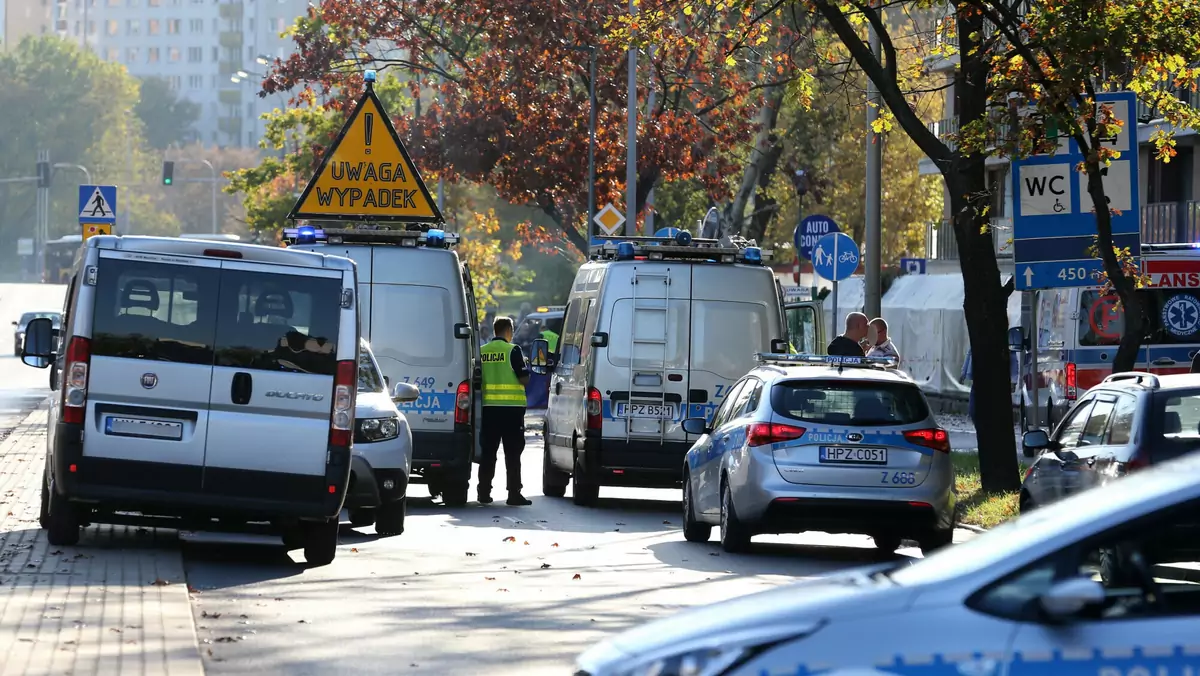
(200,381)
(418,312)
(656,331)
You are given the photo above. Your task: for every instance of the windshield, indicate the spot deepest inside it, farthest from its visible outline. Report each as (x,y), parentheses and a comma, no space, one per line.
(840,402)
(369,379)
(1069,520)
(30,316)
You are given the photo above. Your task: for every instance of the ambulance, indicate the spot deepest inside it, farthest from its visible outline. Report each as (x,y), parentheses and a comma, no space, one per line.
(1080,329)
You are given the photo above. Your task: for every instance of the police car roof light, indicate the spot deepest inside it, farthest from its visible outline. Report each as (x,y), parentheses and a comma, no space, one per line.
(366,234)
(305,234)
(683,238)
(824,360)
(625,251)
(369,76)
(435,237)
(735,250)
(752,254)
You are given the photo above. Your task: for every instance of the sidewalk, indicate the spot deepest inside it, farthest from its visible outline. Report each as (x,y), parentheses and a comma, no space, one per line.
(116,604)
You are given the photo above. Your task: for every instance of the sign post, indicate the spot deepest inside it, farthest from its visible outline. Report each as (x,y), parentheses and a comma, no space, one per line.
(1054,222)
(835,257)
(97,210)
(808,232)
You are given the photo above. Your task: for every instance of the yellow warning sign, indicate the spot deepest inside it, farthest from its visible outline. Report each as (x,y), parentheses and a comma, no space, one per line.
(93,229)
(367,175)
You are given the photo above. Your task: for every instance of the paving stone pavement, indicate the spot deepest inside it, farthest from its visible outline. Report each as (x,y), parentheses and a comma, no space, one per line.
(116,604)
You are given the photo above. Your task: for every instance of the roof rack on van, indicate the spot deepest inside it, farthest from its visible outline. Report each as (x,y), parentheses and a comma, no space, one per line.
(1137,377)
(825,360)
(433,238)
(681,246)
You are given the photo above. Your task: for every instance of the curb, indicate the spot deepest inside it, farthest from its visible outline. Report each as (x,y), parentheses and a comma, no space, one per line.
(973,529)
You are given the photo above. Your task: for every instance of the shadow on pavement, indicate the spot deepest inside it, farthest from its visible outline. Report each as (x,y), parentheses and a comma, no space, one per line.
(765,558)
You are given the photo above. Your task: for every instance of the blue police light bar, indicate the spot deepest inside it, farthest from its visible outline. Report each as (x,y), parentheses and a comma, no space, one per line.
(435,237)
(752,255)
(683,238)
(305,234)
(369,76)
(824,360)
(625,251)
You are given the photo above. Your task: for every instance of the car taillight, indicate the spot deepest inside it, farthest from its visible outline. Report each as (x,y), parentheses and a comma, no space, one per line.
(462,404)
(1072,380)
(341,420)
(74,398)
(594,408)
(934,437)
(760,434)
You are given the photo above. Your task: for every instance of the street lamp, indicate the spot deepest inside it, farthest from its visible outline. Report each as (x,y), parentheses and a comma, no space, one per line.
(262,59)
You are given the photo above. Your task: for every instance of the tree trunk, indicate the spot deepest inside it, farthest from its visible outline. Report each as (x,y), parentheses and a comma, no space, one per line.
(1131,337)
(760,157)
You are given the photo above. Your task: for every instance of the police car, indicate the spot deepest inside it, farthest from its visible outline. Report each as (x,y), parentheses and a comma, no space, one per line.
(835,444)
(1024,599)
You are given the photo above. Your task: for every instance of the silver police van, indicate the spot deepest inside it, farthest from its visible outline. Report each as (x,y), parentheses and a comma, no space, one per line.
(200,381)
(418,310)
(657,329)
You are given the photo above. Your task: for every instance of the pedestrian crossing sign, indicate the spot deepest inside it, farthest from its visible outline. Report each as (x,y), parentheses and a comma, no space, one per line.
(98,204)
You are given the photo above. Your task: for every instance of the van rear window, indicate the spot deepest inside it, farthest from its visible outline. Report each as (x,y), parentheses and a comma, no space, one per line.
(838,402)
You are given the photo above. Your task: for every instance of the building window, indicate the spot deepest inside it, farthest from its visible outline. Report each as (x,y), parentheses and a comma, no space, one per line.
(249,52)
(152,55)
(112,3)
(216,53)
(250,109)
(249,139)
(153,27)
(154,3)
(111,27)
(131,55)
(133,27)
(250,23)
(196,25)
(132,3)
(112,54)
(195,54)
(176,82)
(216,26)
(173,55)
(174,26)
(195,82)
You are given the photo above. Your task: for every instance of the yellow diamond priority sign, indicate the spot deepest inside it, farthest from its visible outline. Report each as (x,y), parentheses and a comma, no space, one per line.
(609,219)
(367,175)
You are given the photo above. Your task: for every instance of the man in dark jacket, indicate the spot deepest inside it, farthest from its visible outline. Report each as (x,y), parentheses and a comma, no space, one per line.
(849,344)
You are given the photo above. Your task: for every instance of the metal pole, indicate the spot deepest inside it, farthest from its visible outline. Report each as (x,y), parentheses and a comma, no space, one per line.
(1033,363)
(631,139)
(591,143)
(874,225)
(441,197)
(650,116)
(87,174)
(213,171)
(835,286)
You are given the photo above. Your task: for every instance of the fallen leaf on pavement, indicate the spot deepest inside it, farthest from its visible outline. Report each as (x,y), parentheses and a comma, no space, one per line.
(114,630)
(489,579)
(55,552)
(510,539)
(502,590)
(302,622)
(159,582)
(713,554)
(620,524)
(354,550)
(205,613)
(616,530)
(527,542)
(577,577)
(468,554)
(554,545)
(666,523)
(545,566)
(542,521)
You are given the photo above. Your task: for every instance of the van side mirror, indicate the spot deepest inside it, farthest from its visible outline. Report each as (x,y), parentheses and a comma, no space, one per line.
(695,426)
(540,364)
(38,348)
(405,392)
(779,346)
(599,339)
(462,331)
(1016,339)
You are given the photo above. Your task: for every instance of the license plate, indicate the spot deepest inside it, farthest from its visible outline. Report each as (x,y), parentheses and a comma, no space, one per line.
(854,455)
(138,427)
(659,411)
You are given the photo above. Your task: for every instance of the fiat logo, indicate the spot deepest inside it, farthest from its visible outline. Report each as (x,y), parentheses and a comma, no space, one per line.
(854,436)
(149,380)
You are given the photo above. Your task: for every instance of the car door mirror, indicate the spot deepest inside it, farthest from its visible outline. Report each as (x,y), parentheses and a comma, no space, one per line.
(600,339)
(462,331)
(779,346)
(405,392)
(540,364)
(38,347)
(1068,598)
(695,426)
(1035,440)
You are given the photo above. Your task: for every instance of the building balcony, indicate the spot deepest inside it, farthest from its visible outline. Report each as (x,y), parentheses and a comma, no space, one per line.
(231,11)
(230,97)
(230,125)
(231,39)
(230,67)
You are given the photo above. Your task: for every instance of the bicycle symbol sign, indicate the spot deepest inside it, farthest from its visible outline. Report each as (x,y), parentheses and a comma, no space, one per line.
(835,257)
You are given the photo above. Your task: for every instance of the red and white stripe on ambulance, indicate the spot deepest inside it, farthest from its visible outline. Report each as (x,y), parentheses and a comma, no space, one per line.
(1082,328)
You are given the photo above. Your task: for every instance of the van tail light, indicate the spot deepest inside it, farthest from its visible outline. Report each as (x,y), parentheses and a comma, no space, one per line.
(74,397)
(1072,381)
(761,434)
(1139,461)
(341,420)
(934,437)
(595,405)
(462,404)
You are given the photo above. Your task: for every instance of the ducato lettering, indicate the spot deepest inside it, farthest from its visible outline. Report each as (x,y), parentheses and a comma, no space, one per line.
(301,396)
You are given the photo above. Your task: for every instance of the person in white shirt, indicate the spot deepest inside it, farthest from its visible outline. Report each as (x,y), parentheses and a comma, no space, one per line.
(882,345)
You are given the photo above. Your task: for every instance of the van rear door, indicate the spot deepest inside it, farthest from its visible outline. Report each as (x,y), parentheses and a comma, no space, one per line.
(153,327)
(277,336)
(805,328)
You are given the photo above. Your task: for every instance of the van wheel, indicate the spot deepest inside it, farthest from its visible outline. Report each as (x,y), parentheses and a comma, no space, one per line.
(936,540)
(45,508)
(391,518)
(554,482)
(292,536)
(62,520)
(320,542)
(361,518)
(454,493)
(583,492)
(693,530)
(735,536)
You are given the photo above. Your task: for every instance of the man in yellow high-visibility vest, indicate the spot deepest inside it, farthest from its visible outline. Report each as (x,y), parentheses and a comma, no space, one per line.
(505,376)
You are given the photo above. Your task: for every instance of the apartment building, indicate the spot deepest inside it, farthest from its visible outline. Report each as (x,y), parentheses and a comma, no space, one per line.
(213,52)
(22,18)
(1169,192)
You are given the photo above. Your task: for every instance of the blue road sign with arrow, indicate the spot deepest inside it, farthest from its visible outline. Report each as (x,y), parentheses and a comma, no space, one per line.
(810,230)
(835,257)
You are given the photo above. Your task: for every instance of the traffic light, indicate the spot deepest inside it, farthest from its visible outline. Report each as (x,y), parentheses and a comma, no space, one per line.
(45,174)
(168,173)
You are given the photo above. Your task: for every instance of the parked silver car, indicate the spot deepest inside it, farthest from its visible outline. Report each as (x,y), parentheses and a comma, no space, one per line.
(835,444)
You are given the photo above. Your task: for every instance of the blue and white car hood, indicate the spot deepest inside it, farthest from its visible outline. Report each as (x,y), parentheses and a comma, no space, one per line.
(805,605)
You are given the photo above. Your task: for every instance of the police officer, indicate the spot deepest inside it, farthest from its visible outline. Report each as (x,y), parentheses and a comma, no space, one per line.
(550,335)
(504,378)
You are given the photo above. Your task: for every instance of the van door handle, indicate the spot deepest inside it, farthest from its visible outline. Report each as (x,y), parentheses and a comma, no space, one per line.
(558,387)
(241,388)
(1164,361)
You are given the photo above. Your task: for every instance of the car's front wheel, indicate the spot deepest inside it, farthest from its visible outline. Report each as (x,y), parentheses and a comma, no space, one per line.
(693,530)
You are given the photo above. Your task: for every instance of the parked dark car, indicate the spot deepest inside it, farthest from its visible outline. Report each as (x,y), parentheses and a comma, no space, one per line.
(20,324)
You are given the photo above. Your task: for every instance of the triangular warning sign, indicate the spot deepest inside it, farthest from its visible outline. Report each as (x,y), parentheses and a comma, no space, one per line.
(97,207)
(367,175)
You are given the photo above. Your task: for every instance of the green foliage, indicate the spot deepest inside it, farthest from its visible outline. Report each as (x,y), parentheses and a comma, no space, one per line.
(167,117)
